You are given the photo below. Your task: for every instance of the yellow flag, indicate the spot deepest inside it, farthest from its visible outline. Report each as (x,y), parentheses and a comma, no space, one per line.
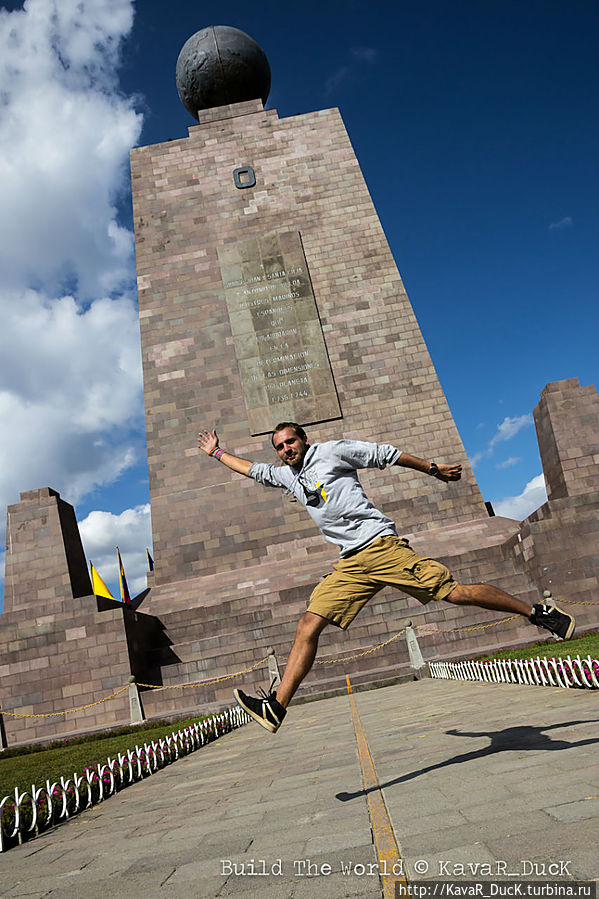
(98,585)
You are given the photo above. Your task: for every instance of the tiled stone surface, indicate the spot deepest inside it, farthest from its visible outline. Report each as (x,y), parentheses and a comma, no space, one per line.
(248,795)
(498,773)
(470,773)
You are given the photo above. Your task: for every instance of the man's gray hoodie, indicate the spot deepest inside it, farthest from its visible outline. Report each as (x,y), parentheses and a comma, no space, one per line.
(328,486)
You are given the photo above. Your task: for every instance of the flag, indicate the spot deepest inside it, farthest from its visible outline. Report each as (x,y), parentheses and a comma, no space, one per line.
(150,560)
(125,597)
(98,585)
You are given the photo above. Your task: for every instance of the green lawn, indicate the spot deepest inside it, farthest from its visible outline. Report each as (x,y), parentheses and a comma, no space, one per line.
(32,765)
(583,646)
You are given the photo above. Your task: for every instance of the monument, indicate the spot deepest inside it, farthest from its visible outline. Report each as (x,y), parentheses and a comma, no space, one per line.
(267,291)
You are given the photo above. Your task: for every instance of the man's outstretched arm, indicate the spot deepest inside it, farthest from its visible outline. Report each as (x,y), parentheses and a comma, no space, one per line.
(441,472)
(208,443)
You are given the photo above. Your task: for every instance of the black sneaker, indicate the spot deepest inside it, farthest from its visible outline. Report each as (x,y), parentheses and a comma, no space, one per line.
(553,619)
(266,710)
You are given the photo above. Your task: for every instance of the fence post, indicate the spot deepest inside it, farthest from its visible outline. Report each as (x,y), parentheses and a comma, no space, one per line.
(416,660)
(136,714)
(3,740)
(273,668)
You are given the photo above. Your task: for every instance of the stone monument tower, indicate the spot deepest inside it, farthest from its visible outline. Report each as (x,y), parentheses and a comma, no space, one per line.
(268,292)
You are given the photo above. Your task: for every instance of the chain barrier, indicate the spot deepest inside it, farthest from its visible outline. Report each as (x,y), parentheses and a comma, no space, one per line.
(453,630)
(366,652)
(437,630)
(81,708)
(578,602)
(472,627)
(204,683)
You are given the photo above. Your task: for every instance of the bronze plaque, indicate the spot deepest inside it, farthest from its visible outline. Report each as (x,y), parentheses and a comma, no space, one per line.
(281,353)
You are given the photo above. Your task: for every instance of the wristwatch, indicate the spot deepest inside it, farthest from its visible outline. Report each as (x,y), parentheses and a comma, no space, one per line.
(433,470)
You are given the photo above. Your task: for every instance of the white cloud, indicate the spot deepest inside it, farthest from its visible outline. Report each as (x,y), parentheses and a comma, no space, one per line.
(333,82)
(508,429)
(365,54)
(70,395)
(562,224)
(131,531)
(70,371)
(65,133)
(520,507)
(509,463)
(351,71)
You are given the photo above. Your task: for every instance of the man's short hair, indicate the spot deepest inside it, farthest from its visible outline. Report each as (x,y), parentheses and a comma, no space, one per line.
(289,424)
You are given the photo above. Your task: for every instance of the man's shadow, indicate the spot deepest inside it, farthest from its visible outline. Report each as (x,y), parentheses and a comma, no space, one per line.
(523,737)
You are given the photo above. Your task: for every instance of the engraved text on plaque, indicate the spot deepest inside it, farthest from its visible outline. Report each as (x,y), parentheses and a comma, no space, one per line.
(281,353)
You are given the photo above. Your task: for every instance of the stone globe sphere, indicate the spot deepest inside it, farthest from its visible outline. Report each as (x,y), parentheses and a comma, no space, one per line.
(220,65)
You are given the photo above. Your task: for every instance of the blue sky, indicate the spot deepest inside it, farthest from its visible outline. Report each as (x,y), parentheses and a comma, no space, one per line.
(476,128)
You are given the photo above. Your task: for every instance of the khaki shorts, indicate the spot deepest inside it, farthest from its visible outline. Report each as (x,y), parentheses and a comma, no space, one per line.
(389,561)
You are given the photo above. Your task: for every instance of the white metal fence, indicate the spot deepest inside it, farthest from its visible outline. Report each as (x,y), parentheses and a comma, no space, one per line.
(25,814)
(566,672)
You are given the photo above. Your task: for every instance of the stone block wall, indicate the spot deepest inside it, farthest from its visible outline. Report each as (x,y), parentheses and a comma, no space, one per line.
(558,547)
(567,423)
(58,660)
(553,549)
(57,650)
(44,559)
(206,520)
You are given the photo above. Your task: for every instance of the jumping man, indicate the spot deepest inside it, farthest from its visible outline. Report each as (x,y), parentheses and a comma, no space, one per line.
(323,477)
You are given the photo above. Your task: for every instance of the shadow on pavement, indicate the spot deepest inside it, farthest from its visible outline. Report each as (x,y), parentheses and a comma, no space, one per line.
(523,737)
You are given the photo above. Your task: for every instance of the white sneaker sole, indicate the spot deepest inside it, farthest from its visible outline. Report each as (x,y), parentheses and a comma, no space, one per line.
(267,725)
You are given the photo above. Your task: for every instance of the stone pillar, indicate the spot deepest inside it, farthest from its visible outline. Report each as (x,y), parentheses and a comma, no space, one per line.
(567,423)
(136,715)
(44,555)
(419,668)
(273,669)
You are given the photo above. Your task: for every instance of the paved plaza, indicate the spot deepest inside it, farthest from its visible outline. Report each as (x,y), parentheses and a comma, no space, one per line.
(502,777)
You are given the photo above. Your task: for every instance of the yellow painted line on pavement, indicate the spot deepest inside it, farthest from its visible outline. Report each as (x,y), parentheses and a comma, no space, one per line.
(387,850)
